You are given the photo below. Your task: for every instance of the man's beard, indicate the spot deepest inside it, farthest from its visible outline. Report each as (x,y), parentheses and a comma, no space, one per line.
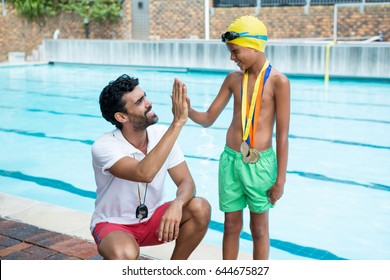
(142,122)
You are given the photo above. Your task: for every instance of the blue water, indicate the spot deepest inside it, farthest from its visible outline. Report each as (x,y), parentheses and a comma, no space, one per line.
(336,200)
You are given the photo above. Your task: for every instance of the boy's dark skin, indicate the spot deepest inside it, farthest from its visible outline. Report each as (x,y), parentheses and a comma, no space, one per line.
(275,108)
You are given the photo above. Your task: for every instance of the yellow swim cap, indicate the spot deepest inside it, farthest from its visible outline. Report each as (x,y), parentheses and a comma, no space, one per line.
(252,33)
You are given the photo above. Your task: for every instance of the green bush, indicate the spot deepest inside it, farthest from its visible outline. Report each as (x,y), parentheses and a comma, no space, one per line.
(91,10)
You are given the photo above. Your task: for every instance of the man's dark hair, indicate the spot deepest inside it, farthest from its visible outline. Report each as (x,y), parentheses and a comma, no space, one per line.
(111,97)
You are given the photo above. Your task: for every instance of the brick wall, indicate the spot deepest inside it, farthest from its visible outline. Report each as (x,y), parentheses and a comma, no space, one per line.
(292,22)
(185,19)
(176,19)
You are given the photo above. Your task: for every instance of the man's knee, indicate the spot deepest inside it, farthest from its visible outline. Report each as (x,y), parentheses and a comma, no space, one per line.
(118,246)
(123,253)
(200,208)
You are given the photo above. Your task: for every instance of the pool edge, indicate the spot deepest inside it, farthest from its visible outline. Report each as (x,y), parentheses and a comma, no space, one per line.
(76,223)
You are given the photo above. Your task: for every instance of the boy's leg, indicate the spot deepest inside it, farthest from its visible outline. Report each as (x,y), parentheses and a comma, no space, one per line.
(260,235)
(193,227)
(119,245)
(231,235)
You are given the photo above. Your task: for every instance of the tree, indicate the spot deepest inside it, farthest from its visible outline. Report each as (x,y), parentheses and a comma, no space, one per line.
(88,10)
(95,10)
(33,9)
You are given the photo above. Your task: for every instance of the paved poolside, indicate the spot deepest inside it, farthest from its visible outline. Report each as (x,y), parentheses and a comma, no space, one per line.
(20,241)
(31,230)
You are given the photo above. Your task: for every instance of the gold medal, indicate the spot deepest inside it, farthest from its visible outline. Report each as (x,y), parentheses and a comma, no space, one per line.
(254,156)
(244,148)
(245,159)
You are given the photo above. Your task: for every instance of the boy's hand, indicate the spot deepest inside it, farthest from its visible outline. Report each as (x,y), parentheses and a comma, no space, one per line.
(275,193)
(179,102)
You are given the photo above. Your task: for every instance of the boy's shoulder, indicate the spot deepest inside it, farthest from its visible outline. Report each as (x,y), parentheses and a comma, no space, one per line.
(233,79)
(278,76)
(236,74)
(279,82)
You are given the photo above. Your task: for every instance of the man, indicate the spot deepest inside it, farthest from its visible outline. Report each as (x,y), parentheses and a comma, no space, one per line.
(130,165)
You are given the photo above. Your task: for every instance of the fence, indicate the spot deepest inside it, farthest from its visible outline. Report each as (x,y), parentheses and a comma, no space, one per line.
(346,60)
(269,3)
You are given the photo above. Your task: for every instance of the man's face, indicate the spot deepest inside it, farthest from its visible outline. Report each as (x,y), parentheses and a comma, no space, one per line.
(139,109)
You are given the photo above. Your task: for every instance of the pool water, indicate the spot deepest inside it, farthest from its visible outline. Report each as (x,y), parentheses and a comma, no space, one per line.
(336,200)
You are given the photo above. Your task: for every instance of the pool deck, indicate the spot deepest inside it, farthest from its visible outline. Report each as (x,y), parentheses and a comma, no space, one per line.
(20,241)
(32,230)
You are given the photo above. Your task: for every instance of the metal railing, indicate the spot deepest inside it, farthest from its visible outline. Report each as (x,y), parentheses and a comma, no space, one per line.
(268,3)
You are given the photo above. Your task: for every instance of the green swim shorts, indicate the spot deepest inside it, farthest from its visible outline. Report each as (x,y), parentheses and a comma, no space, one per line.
(242,184)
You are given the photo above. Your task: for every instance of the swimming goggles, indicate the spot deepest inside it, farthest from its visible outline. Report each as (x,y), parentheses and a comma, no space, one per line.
(230,35)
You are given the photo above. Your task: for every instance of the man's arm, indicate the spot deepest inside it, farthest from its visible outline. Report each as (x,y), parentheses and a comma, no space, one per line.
(170,221)
(146,169)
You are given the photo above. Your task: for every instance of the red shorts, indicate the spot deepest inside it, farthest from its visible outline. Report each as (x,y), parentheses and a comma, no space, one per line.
(145,233)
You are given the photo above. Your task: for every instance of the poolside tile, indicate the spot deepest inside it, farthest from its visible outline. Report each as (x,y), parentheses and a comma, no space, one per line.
(66,244)
(19,241)
(60,256)
(6,241)
(39,253)
(83,251)
(39,237)
(76,247)
(48,239)
(8,227)
(15,248)
(19,255)
(96,257)
(25,232)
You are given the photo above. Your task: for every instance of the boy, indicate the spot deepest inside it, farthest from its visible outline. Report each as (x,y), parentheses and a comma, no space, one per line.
(249,171)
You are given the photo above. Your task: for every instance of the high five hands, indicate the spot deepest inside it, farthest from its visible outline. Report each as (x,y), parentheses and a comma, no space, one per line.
(179,102)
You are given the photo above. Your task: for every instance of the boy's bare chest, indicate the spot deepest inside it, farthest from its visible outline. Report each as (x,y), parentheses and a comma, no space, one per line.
(263,99)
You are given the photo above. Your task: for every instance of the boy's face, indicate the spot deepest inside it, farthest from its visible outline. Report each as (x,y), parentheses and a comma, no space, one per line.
(243,57)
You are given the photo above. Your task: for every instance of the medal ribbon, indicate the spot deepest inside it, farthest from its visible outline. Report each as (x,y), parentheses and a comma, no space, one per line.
(248,117)
(264,78)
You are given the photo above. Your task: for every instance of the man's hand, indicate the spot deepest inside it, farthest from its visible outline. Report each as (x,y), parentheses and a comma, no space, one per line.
(179,102)
(170,222)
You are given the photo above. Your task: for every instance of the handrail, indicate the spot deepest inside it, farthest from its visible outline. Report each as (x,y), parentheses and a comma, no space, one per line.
(327,56)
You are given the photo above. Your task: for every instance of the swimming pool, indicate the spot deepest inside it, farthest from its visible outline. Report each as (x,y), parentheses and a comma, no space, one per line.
(336,201)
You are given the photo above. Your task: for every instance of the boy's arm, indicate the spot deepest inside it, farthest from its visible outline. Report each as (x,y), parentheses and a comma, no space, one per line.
(207,118)
(282,107)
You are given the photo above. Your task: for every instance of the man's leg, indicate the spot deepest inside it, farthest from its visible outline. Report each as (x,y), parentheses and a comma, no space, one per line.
(260,235)
(231,235)
(119,245)
(193,227)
